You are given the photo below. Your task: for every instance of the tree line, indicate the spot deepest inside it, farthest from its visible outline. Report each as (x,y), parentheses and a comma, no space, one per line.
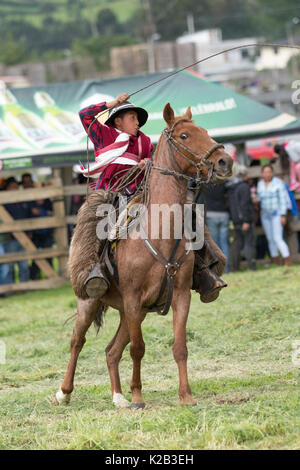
(22,40)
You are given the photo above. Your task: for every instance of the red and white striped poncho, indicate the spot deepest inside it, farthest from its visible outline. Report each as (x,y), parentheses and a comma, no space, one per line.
(115,151)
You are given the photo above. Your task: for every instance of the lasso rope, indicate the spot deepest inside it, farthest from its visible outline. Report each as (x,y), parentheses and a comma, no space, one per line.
(291,46)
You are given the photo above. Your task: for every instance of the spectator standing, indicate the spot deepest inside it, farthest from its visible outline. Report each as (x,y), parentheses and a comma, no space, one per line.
(290,152)
(271,194)
(18,210)
(292,215)
(242,216)
(217,217)
(3,266)
(42,238)
(27,181)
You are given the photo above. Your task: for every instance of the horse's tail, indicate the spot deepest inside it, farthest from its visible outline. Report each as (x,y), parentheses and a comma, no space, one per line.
(99,318)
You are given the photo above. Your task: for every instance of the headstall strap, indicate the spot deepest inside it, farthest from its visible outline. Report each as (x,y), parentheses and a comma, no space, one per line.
(198,179)
(211,151)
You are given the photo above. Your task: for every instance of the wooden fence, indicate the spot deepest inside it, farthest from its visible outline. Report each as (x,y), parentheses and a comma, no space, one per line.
(59,222)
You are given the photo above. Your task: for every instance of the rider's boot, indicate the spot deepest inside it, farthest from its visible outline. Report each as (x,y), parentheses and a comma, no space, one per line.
(210,285)
(96,284)
(209,264)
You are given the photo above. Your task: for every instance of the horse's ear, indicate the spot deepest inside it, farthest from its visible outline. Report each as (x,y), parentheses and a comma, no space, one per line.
(188,113)
(168,114)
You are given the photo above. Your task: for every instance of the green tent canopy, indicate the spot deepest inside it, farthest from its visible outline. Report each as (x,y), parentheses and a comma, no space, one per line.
(39,126)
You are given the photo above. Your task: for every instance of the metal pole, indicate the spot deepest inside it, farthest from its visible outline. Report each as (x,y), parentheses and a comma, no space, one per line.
(150,34)
(190,23)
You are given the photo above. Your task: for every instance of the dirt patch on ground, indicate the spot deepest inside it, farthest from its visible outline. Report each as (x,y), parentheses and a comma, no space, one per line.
(232,400)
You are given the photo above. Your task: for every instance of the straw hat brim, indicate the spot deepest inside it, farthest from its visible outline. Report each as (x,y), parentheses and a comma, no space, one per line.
(114,112)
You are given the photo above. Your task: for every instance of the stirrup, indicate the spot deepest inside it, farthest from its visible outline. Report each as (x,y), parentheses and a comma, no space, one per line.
(96,284)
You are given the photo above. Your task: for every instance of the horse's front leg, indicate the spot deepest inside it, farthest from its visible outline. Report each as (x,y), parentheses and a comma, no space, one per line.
(86,314)
(180,306)
(134,318)
(113,356)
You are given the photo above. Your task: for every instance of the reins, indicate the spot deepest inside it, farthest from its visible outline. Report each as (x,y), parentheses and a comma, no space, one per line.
(171,267)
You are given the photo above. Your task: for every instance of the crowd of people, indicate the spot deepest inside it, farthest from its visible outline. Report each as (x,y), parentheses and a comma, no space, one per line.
(42,238)
(246,204)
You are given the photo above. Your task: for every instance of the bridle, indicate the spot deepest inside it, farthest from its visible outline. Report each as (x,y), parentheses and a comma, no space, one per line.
(201,161)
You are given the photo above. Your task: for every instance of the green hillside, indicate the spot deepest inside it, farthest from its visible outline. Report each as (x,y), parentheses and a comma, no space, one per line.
(36,11)
(41,30)
(47,30)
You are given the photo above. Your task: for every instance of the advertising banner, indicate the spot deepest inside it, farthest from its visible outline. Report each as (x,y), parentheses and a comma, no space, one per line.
(40,126)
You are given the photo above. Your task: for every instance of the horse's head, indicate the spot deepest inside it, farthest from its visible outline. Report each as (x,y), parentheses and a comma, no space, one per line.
(193,149)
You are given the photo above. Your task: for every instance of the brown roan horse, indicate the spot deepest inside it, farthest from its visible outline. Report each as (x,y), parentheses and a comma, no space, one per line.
(140,274)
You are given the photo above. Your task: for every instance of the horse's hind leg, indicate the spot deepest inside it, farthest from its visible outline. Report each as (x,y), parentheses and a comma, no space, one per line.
(113,356)
(86,314)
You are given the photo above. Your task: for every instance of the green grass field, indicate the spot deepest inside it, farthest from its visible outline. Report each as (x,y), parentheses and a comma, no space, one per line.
(240,368)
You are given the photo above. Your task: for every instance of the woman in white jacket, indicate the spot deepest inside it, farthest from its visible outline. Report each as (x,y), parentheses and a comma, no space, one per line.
(271,194)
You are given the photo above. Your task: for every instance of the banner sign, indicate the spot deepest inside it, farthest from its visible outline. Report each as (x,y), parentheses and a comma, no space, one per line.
(40,126)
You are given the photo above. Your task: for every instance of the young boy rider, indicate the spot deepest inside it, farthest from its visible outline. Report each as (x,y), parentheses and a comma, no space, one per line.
(119,144)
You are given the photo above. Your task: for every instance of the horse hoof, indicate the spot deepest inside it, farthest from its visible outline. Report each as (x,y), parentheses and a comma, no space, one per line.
(137,406)
(61,397)
(120,401)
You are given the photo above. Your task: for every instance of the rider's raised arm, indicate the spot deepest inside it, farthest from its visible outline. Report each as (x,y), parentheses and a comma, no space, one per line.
(87,115)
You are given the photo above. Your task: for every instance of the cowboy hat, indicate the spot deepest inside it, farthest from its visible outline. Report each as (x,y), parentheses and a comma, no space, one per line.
(126,106)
